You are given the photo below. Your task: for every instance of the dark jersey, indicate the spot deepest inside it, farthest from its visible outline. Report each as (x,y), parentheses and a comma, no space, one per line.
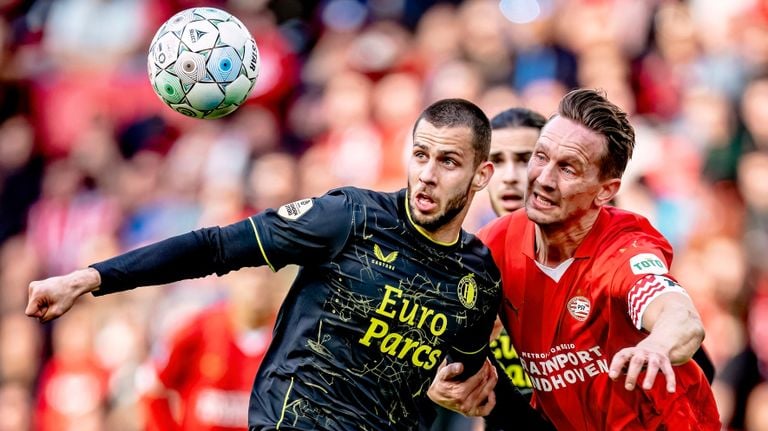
(370,316)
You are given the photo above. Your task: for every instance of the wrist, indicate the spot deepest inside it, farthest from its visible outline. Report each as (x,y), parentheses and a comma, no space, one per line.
(85,280)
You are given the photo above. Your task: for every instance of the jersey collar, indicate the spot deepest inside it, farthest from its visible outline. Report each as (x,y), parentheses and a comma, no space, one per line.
(585,250)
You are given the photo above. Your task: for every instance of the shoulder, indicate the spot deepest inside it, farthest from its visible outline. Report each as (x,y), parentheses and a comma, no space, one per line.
(629,243)
(623,230)
(497,229)
(478,257)
(365,197)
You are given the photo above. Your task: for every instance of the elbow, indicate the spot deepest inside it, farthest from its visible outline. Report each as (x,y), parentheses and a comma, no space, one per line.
(699,334)
(697,329)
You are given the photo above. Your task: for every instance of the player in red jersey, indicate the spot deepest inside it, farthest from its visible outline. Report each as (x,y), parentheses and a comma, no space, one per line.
(210,362)
(588,299)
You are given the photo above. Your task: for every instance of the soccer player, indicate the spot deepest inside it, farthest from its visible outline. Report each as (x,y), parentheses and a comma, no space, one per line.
(514,133)
(209,363)
(589,302)
(390,284)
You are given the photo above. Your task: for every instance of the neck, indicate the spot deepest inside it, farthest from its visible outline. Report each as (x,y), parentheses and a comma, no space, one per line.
(557,243)
(447,234)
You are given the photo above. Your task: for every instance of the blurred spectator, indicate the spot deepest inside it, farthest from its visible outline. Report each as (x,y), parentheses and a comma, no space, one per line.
(15,406)
(73,369)
(272,181)
(756,416)
(745,372)
(755,114)
(753,183)
(66,215)
(20,349)
(18,265)
(20,172)
(202,378)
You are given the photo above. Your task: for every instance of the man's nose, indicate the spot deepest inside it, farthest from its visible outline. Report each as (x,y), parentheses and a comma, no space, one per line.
(547,177)
(427,174)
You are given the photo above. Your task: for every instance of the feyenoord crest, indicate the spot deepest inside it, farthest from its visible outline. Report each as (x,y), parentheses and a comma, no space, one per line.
(467,291)
(579,307)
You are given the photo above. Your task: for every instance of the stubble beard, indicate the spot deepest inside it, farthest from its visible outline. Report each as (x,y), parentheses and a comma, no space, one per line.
(455,205)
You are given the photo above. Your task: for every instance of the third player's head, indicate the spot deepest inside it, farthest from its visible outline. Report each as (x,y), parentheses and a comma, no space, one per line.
(515,132)
(578,161)
(448,165)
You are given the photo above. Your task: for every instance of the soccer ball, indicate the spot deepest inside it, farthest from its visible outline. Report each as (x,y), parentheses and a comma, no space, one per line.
(203,62)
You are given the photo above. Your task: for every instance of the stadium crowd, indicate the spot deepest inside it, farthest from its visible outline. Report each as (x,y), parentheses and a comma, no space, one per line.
(92,163)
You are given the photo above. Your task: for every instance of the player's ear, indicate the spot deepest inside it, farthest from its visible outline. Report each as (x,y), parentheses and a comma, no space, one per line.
(483,174)
(607,192)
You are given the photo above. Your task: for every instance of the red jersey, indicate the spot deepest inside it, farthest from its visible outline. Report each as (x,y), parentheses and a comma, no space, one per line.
(72,392)
(568,322)
(212,368)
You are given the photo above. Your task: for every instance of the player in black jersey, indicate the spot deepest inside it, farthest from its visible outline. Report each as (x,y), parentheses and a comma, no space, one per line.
(390,284)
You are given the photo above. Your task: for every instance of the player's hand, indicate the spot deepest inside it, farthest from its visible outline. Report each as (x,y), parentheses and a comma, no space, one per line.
(648,356)
(471,397)
(52,297)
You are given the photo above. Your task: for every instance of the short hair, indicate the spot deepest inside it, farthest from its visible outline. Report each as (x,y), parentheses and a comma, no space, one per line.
(518,117)
(461,113)
(592,109)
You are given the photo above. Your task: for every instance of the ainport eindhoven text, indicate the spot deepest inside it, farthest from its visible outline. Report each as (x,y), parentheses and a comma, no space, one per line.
(551,371)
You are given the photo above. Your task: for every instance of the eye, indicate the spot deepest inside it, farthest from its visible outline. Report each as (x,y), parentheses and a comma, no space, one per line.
(524,157)
(449,162)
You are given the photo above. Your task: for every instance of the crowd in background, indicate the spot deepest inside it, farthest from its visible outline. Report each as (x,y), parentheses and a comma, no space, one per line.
(92,163)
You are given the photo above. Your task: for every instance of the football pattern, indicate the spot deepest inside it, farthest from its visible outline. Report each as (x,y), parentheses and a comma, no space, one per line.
(203,62)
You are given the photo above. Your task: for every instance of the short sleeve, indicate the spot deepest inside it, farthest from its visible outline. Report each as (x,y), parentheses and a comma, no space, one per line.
(308,231)
(642,275)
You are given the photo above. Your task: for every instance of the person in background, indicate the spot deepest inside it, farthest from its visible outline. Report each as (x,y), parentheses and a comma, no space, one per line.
(202,379)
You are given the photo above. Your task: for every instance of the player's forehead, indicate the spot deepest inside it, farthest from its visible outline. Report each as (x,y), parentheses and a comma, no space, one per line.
(517,140)
(569,138)
(456,139)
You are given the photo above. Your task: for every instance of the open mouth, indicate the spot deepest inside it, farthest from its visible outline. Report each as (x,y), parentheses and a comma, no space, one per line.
(512,197)
(542,202)
(423,202)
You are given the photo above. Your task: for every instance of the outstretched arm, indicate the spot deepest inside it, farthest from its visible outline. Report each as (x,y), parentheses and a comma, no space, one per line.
(676,332)
(195,254)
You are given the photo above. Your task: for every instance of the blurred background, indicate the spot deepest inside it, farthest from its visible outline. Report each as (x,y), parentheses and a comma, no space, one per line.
(92,163)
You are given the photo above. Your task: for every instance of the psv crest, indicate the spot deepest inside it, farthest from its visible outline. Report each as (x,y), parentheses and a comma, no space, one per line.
(579,307)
